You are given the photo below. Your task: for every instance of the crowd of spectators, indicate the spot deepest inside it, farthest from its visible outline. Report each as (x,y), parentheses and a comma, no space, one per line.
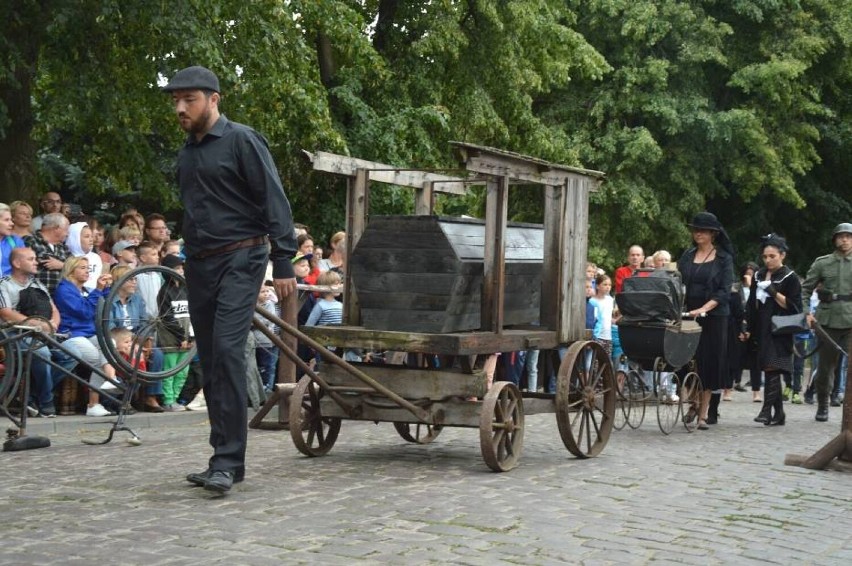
(57,265)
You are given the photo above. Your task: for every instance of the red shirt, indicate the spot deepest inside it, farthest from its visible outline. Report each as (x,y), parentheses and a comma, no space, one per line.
(623,273)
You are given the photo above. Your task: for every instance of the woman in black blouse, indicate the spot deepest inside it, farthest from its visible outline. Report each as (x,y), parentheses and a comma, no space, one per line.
(707,271)
(775,290)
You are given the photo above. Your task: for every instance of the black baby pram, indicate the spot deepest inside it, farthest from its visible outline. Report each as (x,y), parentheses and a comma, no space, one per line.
(656,338)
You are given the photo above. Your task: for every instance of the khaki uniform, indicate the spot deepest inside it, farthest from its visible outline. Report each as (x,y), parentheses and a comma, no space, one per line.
(834,271)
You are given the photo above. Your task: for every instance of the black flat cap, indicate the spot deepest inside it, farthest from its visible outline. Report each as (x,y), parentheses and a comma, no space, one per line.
(193,78)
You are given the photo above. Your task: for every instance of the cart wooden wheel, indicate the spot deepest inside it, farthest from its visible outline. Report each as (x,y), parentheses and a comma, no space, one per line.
(622,404)
(422,433)
(313,434)
(585,399)
(501,426)
(690,390)
(668,407)
(636,390)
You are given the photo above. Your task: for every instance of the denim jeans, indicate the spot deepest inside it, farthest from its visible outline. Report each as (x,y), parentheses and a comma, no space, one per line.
(532,370)
(267,363)
(41,375)
(155,364)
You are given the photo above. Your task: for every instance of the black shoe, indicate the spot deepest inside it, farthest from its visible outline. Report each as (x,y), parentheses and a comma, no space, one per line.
(809,398)
(835,402)
(219,481)
(777,421)
(740,388)
(48,411)
(201,478)
(712,419)
(764,416)
(822,414)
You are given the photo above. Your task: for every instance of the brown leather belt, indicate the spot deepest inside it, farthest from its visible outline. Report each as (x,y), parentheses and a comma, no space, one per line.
(247,243)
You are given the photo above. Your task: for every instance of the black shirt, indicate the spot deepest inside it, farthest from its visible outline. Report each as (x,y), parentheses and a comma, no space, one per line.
(708,280)
(231,192)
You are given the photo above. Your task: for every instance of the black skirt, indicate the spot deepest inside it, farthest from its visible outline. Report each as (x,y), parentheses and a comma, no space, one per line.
(712,355)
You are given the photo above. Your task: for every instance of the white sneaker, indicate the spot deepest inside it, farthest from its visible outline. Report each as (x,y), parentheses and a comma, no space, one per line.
(97,410)
(673,397)
(198,403)
(107,385)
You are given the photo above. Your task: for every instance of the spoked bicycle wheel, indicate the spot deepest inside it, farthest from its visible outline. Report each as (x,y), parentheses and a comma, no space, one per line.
(668,406)
(622,400)
(690,391)
(10,364)
(635,388)
(167,331)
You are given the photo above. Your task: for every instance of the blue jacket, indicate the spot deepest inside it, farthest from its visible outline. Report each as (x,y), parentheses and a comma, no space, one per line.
(135,316)
(7,244)
(77,311)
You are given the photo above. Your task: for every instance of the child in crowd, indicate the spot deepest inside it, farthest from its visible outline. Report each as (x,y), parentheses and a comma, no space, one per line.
(130,233)
(605,304)
(125,253)
(148,284)
(172,247)
(265,352)
(123,340)
(302,269)
(328,309)
(80,243)
(591,274)
(176,332)
(591,309)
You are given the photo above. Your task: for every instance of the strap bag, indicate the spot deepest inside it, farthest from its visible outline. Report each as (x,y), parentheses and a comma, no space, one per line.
(32,301)
(789,324)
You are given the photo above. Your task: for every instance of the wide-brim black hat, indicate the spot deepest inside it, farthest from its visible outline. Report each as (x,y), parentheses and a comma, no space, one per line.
(705,221)
(193,78)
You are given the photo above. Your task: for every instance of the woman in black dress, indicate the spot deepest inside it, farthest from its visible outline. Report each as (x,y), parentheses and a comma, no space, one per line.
(707,271)
(775,290)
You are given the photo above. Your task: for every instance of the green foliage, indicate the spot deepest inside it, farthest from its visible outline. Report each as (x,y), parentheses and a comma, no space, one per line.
(742,107)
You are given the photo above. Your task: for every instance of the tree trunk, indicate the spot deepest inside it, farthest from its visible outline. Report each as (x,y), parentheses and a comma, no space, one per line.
(384,24)
(325,58)
(22,25)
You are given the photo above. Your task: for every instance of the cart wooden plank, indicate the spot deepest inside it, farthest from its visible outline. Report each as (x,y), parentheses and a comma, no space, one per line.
(460,344)
(412,383)
(455,413)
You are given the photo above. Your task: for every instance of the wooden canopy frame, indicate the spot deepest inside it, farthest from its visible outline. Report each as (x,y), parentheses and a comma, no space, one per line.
(566,224)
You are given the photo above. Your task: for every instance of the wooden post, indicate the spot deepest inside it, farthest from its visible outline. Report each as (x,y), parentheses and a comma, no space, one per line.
(423,199)
(550,313)
(574,247)
(357,206)
(837,454)
(286,373)
(494,268)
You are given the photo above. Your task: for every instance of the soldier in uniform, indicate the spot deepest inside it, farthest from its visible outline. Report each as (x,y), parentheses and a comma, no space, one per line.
(834,313)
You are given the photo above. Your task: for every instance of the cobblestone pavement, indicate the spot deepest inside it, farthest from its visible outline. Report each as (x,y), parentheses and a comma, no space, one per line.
(721,496)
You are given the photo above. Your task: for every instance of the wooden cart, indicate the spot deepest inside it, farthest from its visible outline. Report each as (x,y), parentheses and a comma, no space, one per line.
(467,308)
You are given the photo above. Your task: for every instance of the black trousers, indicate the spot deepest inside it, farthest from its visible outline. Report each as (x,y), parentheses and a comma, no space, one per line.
(222,292)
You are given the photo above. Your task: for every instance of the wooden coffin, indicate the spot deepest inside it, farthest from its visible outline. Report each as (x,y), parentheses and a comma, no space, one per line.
(424,273)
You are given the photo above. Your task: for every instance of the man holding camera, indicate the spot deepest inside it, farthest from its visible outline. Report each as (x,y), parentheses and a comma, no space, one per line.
(834,314)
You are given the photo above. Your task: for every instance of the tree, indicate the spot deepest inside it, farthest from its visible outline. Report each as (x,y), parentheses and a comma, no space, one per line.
(708,104)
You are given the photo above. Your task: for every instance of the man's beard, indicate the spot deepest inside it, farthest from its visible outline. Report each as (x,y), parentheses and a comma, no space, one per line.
(198,126)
